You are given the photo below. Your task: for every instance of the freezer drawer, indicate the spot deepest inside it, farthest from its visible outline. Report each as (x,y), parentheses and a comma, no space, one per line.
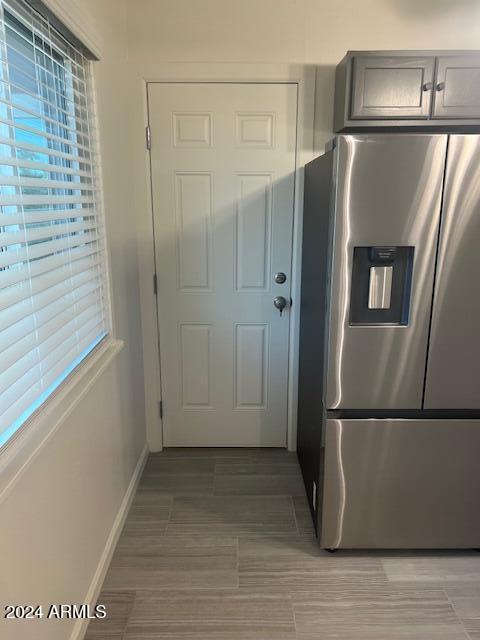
(401,484)
(453,372)
(387,211)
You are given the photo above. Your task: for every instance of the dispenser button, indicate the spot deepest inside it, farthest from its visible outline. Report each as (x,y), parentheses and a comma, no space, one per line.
(380,287)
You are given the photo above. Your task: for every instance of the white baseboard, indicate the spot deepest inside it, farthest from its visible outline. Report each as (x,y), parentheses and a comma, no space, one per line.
(93,592)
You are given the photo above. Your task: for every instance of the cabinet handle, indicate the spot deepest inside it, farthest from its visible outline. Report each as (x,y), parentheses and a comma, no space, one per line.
(440,86)
(427,86)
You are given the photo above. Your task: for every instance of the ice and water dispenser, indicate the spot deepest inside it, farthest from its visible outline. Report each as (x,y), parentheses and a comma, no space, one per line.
(381,283)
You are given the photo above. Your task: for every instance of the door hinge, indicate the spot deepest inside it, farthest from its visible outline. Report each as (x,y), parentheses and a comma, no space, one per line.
(155,284)
(148,137)
(160,409)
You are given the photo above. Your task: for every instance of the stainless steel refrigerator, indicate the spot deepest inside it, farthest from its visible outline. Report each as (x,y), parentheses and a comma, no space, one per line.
(389,372)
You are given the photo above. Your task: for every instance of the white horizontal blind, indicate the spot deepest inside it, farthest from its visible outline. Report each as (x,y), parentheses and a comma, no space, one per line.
(53,287)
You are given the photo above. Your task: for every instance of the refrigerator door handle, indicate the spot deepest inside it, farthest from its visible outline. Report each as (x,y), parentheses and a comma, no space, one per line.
(380,287)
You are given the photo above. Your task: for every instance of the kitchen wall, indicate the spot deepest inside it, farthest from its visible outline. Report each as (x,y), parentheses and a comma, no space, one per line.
(311,32)
(57,516)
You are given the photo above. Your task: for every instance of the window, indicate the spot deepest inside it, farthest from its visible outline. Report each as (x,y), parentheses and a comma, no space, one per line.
(54,307)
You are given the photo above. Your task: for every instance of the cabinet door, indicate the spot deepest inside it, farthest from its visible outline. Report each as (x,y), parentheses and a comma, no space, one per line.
(392,87)
(457,87)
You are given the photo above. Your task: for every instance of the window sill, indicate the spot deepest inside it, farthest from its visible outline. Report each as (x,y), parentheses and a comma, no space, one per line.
(26,444)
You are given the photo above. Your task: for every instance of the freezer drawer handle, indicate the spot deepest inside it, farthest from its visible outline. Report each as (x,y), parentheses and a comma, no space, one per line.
(380,287)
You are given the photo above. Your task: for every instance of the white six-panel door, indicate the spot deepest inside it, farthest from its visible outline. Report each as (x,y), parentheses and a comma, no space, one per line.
(223,163)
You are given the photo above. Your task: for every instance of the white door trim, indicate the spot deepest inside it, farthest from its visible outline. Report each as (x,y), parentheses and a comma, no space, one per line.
(304,77)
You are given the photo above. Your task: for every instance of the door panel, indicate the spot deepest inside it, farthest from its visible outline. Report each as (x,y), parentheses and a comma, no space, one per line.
(253,221)
(457,93)
(223,164)
(453,373)
(395,87)
(388,195)
(401,484)
(193,209)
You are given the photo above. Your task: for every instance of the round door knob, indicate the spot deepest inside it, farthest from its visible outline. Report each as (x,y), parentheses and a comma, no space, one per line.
(280,278)
(280,303)
(440,86)
(427,86)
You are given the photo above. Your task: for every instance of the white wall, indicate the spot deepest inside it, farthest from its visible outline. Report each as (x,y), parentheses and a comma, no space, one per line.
(311,32)
(56,518)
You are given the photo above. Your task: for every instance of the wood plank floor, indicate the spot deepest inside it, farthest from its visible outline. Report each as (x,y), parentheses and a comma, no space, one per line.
(219,545)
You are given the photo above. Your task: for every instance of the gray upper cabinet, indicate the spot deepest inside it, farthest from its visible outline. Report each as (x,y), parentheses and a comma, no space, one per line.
(409,90)
(457,87)
(392,87)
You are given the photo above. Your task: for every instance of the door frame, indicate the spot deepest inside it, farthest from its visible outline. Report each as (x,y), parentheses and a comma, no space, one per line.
(301,75)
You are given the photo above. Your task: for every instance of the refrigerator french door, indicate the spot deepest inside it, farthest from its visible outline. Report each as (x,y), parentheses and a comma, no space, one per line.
(389,384)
